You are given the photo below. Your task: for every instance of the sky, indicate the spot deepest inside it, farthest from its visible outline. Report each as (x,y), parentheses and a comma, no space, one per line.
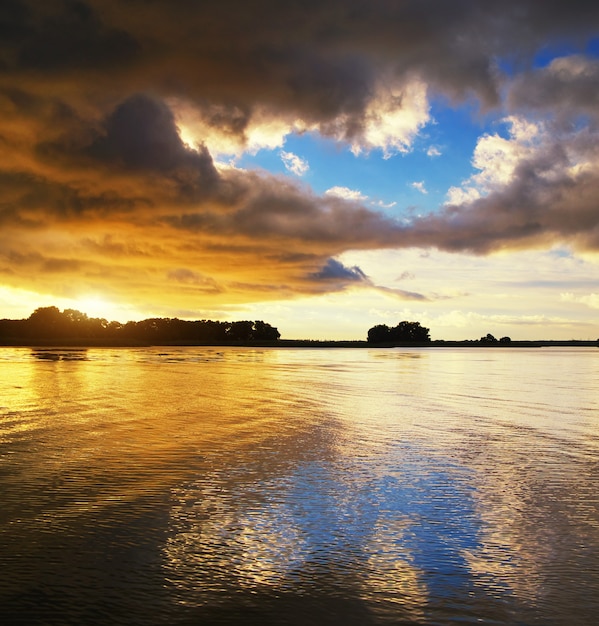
(324,166)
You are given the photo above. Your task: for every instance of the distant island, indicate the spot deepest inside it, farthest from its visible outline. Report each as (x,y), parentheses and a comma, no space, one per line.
(48,326)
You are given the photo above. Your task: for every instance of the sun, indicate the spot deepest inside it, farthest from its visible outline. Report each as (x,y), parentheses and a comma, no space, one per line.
(95,306)
(99,307)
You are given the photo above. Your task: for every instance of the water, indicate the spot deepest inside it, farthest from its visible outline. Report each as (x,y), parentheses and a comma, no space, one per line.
(189,486)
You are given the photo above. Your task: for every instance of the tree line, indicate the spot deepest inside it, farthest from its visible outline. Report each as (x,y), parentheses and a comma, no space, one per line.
(415,333)
(50,324)
(404,332)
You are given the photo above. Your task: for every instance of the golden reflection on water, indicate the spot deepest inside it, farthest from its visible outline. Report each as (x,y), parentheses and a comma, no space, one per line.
(409,481)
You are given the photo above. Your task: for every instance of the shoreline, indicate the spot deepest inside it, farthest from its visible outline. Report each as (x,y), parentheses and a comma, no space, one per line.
(290,343)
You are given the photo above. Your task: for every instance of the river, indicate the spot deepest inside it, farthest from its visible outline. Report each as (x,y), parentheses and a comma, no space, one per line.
(180,486)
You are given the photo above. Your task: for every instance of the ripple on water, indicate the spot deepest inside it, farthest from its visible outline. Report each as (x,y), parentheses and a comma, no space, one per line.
(286,486)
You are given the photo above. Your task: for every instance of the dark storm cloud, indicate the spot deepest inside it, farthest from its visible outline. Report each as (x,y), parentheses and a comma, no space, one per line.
(568,88)
(335,270)
(314,59)
(319,60)
(141,134)
(63,36)
(268,208)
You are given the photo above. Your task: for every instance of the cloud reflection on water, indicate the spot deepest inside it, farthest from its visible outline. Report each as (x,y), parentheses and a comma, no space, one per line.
(298,486)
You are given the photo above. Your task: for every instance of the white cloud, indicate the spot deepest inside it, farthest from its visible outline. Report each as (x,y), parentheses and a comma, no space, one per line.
(591,300)
(433,151)
(262,131)
(393,118)
(497,158)
(346,193)
(554,152)
(391,121)
(419,186)
(461,195)
(384,205)
(294,164)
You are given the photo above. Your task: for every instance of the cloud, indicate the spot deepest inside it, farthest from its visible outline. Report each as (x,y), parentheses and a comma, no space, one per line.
(401,293)
(535,187)
(360,75)
(140,134)
(393,118)
(294,164)
(335,273)
(111,114)
(419,186)
(470,320)
(125,203)
(228,130)
(433,151)
(346,193)
(497,159)
(567,88)
(384,205)
(186,276)
(335,270)
(591,300)
(406,276)
(72,37)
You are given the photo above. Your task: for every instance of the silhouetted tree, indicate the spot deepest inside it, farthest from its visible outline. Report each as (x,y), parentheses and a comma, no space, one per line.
(379,334)
(13,330)
(46,322)
(49,324)
(240,331)
(404,332)
(488,339)
(265,332)
(72,315)
(410,331)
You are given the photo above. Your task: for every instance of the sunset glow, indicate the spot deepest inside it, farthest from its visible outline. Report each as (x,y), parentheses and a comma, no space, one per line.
(95,306)
(346,167)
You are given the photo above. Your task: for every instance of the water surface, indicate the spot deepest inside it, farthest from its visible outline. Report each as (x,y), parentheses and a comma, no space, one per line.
(299,486)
